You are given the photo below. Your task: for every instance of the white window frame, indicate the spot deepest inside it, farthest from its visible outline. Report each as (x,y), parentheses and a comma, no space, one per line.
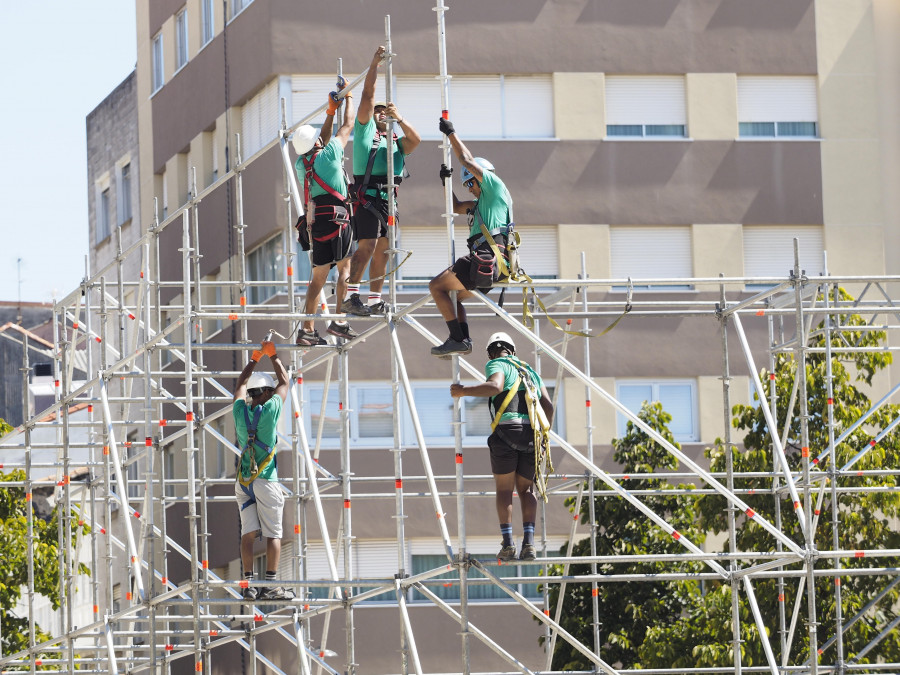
(646,107)
(777,103)
(621,420)
(238,6)
(157,63)
(207,21)
(124,208)
(181,40)
(662,238)
(104,204)
(259,294)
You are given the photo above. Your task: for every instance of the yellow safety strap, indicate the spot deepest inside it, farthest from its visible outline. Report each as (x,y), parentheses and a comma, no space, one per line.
(387,274)
(259,469)
(503,406)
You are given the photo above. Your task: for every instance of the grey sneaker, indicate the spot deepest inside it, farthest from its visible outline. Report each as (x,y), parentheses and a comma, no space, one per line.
(451,347)
(250,593)
(311,339)
(527,552)
(377,308)
(353,305)
(277,593)
(342,331)
(507,553)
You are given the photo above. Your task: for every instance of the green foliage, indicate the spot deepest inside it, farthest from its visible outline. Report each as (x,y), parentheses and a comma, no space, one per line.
(14,567)
(5,428)
(627,610)
(696,631)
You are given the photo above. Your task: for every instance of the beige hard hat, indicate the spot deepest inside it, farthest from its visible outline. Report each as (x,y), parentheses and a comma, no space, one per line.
(380,104)
(304,138)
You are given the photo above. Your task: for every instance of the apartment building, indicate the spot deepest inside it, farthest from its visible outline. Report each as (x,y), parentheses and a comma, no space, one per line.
(658,141)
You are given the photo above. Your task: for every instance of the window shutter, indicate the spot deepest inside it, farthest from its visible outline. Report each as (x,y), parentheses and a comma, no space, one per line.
(269,114)
(539,251)
(429,247)
(476,105)
(419,101)
(249,128)
(650,252)
(645,100)
(769,250)
(777,99)
(308,93)
(528,107)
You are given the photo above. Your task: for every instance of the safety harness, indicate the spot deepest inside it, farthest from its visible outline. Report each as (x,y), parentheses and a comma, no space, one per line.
(339,215)
(250,451)
(379,182)
(528,402)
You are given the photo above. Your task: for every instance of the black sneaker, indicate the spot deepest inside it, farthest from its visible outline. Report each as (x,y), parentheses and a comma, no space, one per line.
(250,593)
(277,593)
(507,553)
(451,347)
(311,339)
(527,552)
(353,305)
(377,308)
(342,331)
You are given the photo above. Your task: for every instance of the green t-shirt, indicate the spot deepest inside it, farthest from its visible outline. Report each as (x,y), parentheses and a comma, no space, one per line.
(265,433)
(510,373)
(493,207)
(363,135)
(329,166)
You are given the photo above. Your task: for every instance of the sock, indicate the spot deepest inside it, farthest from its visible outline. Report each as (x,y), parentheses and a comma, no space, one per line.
(506,531)
(352,288)
(248,576)
(528,537)
(455,330)
(270,576)
(374,298)
(465,329)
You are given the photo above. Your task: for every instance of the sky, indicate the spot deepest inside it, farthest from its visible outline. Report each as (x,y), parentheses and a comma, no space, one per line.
(59,59)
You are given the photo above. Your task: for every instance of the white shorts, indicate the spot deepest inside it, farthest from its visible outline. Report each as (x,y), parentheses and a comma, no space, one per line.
(263,510)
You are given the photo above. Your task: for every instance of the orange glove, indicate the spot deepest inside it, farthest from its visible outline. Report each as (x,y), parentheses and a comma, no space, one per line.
(268,348)
(256,356)
(333,103)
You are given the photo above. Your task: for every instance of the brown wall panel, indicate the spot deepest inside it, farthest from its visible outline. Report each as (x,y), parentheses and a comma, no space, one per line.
(159,11)
(637,183)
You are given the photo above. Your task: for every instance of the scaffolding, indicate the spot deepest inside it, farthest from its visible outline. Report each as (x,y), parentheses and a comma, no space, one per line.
(142,383)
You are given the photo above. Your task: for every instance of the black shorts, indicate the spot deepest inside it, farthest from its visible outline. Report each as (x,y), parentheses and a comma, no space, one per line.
(512,449)
(367,225)
(462,268)
(331,241)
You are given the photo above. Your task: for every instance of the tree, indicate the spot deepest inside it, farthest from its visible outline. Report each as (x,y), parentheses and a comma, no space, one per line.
(700,634)
(627,610)
(14,567)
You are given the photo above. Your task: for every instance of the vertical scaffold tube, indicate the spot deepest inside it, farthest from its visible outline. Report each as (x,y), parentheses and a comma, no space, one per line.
(391,202)
(729,483)
(191,449)
(239,226)
(29,491)
(345,489)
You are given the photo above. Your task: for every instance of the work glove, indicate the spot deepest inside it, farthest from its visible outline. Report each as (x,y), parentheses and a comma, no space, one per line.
(341,83)
(256,356)
(333,102)
(268,348)
(446,172)
(446,127)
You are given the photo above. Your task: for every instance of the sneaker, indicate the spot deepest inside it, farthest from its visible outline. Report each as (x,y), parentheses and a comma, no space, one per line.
(311,339)
(250,593)
(377,308)
(277,593)
(527,552)
(342,331)
(353,305)
(507,553)
(451,347)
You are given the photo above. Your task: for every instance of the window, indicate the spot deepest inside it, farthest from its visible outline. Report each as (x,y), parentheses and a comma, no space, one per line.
(267,263)
(124,193)
(260,119)
(775,107)
(207,20)
(486,106)
(181,39)
(678,398)
(133,470)
(769,250)
(158,72)
(169,472)
(645,107)
(538,252)
(477,592)
(237,6)
(103,227)
(643,252)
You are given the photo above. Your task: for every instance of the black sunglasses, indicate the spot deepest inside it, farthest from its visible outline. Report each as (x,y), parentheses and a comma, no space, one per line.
(469,183)
(257,391)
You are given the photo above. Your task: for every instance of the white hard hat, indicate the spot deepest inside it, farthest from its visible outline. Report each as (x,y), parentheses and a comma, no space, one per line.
(501,339)
(261,381)
(304,138)
(485,166)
